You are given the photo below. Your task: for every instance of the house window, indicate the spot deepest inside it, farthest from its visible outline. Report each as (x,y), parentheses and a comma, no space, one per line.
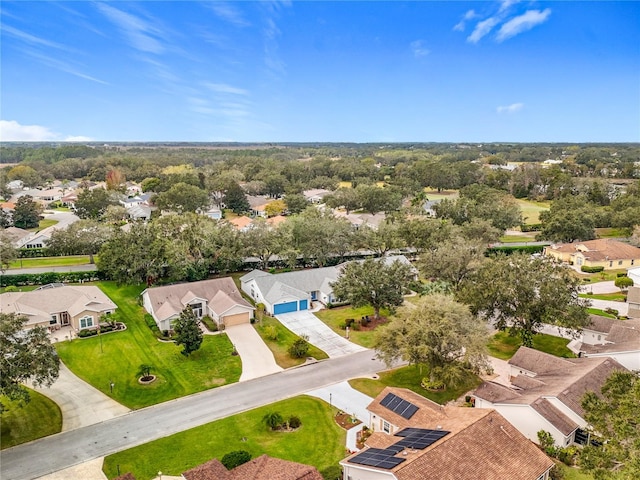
(54,320)
(314,295)
(386,428)
(599,337)
(619,262)
(86,322)
(253,293)
(610,263)
(632,260)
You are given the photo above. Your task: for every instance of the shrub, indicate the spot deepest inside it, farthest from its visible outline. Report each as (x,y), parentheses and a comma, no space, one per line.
(621,274)
(271,332)
(11,288)
(623,283)
(87,333)
(211,325)
(49,277)
(428,384)
(294,422)
(531,249)
(299,349)
(556,473)
(273,420)
(588,269)
(334,472)
(534,227)
(233,459)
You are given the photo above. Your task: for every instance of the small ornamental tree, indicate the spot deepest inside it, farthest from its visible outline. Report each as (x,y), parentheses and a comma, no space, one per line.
(623,283)
(273,420)
(188,333)
(300,348)
(144,371)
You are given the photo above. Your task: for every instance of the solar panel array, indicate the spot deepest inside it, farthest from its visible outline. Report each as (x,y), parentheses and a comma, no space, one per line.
(419,438)
(377,457)
(399,405)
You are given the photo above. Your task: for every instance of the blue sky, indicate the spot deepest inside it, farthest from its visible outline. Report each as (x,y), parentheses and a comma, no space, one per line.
(349,71)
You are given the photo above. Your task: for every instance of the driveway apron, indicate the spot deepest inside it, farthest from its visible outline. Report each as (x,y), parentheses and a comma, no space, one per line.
(257,359)
(319,334)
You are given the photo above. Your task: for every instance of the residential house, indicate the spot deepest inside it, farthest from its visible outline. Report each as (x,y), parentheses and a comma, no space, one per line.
(38,240)
(415,438)
(316,195)
(142,199)
(546,393)
(295,291)
(609,337)
(257,205)
(18,236)
(634,274)
(139,212)
(277,220)
(218,298)
(214,213)
(54,306)
(604,252)
(263,467)
(633,300)
(70,199)
(242,223)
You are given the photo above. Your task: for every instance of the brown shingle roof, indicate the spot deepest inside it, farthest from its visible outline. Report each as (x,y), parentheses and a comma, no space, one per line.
(481,444)
(601,249)
(538,362)
(126,476)
(211,470)
(600,324)
(624,336)
(262,468)
(563,423)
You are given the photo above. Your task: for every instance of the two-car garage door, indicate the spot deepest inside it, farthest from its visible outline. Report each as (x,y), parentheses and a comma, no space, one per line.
(290,307)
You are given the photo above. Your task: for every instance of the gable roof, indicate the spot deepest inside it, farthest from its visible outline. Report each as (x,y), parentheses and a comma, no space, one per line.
(600,324)
(600,249)
(262,468)
(297,283)
(39,305)
(168,301)
(481,443)
(623,336)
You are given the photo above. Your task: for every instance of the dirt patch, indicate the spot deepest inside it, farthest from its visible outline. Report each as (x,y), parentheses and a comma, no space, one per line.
(215,382)
(346,421)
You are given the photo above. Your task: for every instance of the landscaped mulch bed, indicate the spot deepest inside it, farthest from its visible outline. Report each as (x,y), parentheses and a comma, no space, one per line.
(344,420)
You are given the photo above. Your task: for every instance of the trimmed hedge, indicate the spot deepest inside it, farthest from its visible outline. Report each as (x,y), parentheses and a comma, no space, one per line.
(531,249)
(34,253)
(23,279)
(588,269)
(534,227)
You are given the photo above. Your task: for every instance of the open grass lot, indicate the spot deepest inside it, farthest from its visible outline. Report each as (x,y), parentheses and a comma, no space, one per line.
(122,353)
(36,419)
(531,210)
(410,377)
(433,194)
(334,317)
(280,347)
(525,237)
(319,441)
(605,276)
(51,262)
(602,313)
(504,346)
(614,297)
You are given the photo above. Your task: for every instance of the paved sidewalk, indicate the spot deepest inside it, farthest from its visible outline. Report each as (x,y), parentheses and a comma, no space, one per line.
(622,307)
(600,287)
(91,470)
(80,403)
(320,335)
(257,359)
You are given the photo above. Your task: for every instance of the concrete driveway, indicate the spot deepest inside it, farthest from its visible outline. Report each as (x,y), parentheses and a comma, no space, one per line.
(80,403)
(257,359)
(320,335)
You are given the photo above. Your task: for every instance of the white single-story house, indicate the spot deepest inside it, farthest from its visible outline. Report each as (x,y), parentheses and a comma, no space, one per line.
(294,291)
(56,305)
(609,337)
(633,300)
(415,438)
(218,298)
(142,199)
(37,240)
(214,213)
(316,195)
(634,274)
(546,393)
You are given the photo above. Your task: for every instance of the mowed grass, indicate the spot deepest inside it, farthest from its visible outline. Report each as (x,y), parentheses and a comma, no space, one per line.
(410,377)
(51,261)
(335,317)
(531,210)
(602,313)
(504,346)
(319,441)
(433,194)
(572,473)
(36,419)
(116,357)
(280,347)
(613,297)
(518,238)
(44,223)
(604,276)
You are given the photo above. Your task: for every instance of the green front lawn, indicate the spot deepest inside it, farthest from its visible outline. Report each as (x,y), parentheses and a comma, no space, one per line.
(504,346)
(602,313)
(50,262)
(517,238)
(280,347)
(614,297)
(44,223)
(319,441)
(335,317)
(36,419)
(410,377)
(604,276)
(116,358)
(531,210)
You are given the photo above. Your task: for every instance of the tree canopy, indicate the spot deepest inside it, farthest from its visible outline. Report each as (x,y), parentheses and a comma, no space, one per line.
(25,355)
(519,293)
(187,332)
(438,333)
(26,213)
(93,203)
(373,282)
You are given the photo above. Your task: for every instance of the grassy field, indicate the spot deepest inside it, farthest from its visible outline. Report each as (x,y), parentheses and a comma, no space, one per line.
(518,238)
(571,473)
(605,276)
(319,441)
(602,313)
(280,347)
(410,377)
(613,232)
(433,194)
(116,358)
(614,297)
(38,418)
(504,346)
(336,316)
(44,223)
(51,261)
(531,210)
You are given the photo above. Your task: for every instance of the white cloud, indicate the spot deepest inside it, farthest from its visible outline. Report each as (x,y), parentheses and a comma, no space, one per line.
(482,29)
(224,88)
(513,108)
(32,39)
(139,33)
(418,49)
(229,12)
(469,15)
(12,131)
(505,4)
(522,23)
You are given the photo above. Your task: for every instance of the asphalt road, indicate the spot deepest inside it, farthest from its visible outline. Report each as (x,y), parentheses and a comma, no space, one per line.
(66,449)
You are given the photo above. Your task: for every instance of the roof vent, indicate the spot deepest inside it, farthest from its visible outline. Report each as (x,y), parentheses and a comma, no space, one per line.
(439,427)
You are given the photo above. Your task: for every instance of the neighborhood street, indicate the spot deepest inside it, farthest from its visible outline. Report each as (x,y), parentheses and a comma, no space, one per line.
(65,449)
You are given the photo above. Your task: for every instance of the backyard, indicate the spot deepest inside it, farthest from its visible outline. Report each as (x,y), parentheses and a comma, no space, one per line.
(116,358)
(337,317)
(245,431)
(504,346)
(50,262)
(36,419)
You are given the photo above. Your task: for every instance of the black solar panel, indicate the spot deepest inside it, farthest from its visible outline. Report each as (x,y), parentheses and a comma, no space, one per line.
(419,438)
(376,457)
(399,405)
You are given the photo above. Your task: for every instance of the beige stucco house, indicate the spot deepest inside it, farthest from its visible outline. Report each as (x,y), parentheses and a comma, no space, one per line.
(55,306)
(604,252)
